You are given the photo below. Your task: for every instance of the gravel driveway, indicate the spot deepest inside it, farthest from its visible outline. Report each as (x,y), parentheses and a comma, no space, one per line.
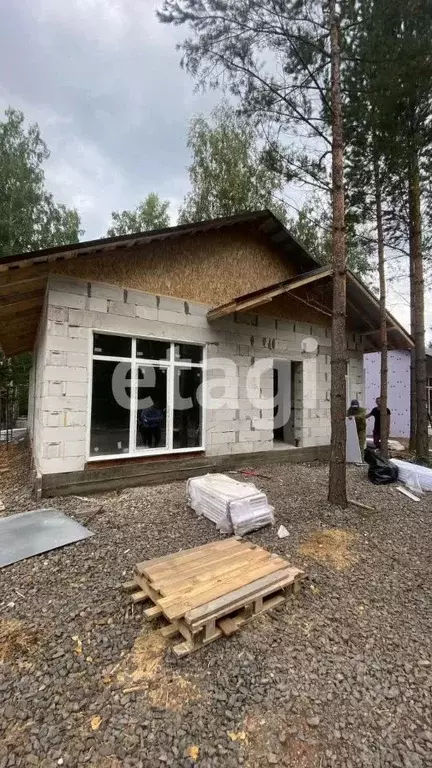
(340,678)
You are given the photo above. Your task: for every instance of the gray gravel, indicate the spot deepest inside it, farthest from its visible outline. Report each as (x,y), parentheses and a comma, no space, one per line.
(341,678)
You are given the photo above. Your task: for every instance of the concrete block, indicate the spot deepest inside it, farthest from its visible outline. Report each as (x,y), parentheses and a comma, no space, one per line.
(240,447)
(52,450)
(142,299)
(74,448)
(263,445)
(63,434)
(56,328)
(76,388)
(53,418)
(68,284)
(105,291)
(78,317)
(269,323)
(220,450)
(196,321)
(64,403)
(75,418)
(191,308)
(246,436)
(76,332)
(64,299)
(170,316)
(221,438)
(96,305)
(53,389)
(245,318)
(171,304)
(55,357)
(146,313)
(54,466)
(225,414)
(263,423)
(58,314)
(77,360)
(121,308)
(68,343)
(65,373)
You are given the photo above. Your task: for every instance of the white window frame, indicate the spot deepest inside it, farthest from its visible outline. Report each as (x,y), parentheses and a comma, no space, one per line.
(135,362)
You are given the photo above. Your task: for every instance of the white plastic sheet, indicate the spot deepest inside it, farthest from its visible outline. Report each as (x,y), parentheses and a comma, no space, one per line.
(414,475)
(230,504)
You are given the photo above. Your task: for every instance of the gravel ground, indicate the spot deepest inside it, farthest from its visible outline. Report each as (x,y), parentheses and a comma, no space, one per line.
(342,677)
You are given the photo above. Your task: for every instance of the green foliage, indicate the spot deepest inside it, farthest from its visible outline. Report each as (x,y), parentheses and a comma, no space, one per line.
(228,173)
(312,227)
(29,217)
(14,378)
(152,213)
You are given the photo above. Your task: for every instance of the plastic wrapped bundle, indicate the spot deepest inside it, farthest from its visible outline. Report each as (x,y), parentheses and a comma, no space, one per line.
(414,475)
(231,505)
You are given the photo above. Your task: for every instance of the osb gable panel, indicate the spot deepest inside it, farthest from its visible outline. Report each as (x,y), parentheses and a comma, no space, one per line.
(287,307)
(211,267)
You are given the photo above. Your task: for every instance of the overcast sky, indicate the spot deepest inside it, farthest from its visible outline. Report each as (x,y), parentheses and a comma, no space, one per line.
(102,79)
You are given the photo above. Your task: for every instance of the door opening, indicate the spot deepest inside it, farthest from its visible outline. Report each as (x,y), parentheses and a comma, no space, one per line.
(284,393)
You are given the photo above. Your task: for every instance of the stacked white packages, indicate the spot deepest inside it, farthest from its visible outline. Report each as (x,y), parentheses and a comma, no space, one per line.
(414,475)
(231,505)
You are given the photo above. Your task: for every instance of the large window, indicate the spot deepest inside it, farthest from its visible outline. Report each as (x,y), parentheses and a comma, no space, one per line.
(146,397)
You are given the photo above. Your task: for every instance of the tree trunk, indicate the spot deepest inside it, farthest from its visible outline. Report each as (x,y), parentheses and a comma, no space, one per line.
(383,311)
(413,400)
(337,479)
(422,441)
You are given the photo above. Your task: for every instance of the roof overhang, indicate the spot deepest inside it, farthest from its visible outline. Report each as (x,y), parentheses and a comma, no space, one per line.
(315,288)
(265,295)
(23,277)
(23,280)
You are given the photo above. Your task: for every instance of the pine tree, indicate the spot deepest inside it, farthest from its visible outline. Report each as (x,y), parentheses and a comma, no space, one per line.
(240,42)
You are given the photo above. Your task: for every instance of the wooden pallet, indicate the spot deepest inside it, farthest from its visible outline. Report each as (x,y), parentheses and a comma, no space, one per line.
(213,590)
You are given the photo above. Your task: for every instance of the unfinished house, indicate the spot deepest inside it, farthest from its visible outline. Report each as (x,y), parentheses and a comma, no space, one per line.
(179,351)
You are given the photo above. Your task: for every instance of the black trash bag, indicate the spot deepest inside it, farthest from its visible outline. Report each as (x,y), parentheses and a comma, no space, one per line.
(381,471)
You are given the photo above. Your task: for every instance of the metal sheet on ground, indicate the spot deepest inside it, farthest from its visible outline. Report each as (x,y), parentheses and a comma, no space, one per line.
(32,533)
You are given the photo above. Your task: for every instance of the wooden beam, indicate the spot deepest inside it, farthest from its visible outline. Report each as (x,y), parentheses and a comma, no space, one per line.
(258,298)
(377,330)
(13,299)
(24,286)
(369,295)
(20,275)
(19,307)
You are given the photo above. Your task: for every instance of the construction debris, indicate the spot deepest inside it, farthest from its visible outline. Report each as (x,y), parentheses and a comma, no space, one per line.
(407,493)
(414,475)
(230,504)
(213,590)
(31,533)
(282,532)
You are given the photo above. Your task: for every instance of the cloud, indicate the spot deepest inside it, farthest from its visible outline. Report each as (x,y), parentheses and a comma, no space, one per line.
(102,79)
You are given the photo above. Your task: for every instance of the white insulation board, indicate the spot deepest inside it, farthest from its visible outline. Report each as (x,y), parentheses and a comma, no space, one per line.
(233,506)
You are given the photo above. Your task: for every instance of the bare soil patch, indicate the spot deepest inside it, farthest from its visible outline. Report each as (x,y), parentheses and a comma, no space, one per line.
(331,547)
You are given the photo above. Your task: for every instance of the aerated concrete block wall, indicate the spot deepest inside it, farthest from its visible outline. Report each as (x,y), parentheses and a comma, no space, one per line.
(75,308)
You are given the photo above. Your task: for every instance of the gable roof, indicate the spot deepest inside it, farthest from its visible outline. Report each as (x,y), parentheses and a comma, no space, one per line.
(268,223)
(22,293)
